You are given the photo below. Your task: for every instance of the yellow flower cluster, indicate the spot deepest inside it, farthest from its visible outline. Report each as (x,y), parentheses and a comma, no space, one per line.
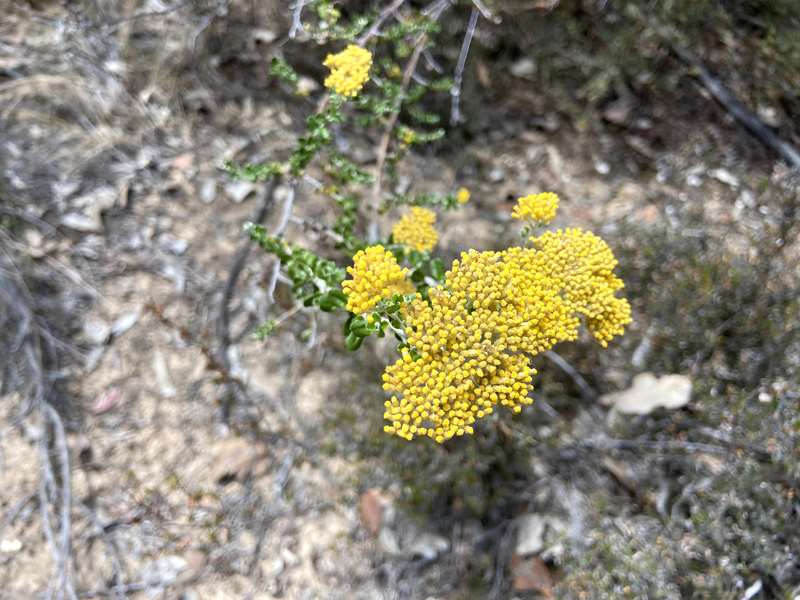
(538,207)
(375,276)
(462,195)
(349,70)
(416,229)
(583,266)
(477,333)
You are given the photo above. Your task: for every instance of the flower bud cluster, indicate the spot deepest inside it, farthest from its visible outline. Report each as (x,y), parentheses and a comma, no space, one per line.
(537,207)
(416,229)
(349,70)
(375,276)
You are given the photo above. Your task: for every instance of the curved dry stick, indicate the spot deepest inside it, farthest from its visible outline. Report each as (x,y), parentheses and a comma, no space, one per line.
(725,97)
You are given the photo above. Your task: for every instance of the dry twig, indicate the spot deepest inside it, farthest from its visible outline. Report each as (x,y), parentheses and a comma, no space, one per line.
(455,91)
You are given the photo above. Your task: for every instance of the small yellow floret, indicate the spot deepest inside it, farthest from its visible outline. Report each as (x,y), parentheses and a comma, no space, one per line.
(537,207)
(416,229)
(349,70)
(462,195)
(375,276)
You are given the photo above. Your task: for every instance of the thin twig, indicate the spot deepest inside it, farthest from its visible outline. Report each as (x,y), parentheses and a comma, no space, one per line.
(668,445)
(297,13)
(723,95)
(487,14)
(375,28)
(586,390)
(318,228)
(455,91)
(60,548)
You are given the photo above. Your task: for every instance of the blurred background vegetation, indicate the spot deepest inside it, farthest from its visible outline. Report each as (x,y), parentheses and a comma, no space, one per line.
(119,232)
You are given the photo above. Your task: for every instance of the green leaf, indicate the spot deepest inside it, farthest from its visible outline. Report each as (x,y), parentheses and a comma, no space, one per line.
(353,342)
(437,269)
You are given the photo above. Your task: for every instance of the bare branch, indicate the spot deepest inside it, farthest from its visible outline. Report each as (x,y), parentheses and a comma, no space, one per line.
(586,390)
(455,91)
(375,28)
(297,13)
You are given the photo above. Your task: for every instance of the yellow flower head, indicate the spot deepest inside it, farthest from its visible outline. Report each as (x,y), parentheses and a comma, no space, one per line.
(375,276)
(476,335)
(582,264)
(349,70)
(416,229)
(537,207)
(462,195)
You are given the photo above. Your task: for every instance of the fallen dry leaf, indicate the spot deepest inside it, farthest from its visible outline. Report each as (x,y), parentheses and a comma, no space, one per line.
(649,392)
(107,400)
(372,507)
(531,575)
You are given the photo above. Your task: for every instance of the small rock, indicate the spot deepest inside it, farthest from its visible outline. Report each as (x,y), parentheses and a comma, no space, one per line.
(548,122)
(618,112)
(232,459)
(163,571)
(81,222)
(264,36)
(11,546)
(99,199)
(124,323)
(196,561)
(726,177)
(764,397)
(769,115)
(530,535)
(524,67)
(602,167)
(387,539)
(306,86)
(176,274)
(65,188)
(96,331)
(165,387)
(428,546)
(497,174)
(273,567)
(753,591)
(208,191)
(649,392)
(173,245)
(694,176)
(238,191)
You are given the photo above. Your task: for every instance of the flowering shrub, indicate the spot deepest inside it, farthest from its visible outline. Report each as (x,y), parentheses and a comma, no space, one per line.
(466,336)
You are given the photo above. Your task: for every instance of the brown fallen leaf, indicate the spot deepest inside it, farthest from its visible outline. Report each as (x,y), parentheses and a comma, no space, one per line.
(183,162)
(106,401)
(372,507)
(484,77)
(531,575)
